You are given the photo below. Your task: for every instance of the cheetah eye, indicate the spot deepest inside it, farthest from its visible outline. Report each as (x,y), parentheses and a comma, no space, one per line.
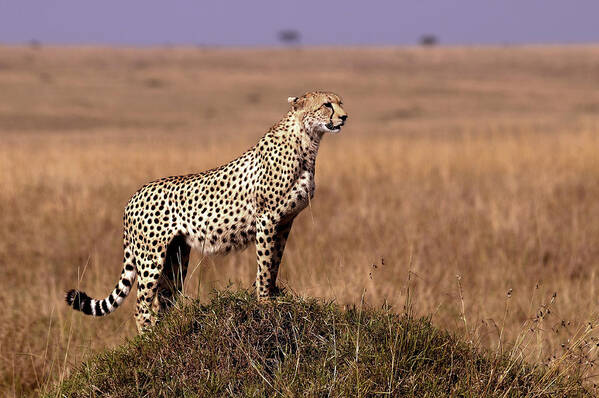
(328,105)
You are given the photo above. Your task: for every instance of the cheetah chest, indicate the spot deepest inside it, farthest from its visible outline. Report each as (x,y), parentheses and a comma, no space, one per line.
(300,195)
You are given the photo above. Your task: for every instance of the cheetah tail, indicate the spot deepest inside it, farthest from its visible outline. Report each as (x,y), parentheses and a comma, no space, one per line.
(89,306)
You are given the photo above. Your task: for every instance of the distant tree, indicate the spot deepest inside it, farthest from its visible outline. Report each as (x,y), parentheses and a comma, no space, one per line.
(289,36)
(428,40)
(35,44)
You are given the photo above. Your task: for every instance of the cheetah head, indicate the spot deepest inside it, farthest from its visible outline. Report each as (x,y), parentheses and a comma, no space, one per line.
(320,111)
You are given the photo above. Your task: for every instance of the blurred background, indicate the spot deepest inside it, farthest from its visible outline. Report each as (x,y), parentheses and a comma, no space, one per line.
(391,23)
(467,176)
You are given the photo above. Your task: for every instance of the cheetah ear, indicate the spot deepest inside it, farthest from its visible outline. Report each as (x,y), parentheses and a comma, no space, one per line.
(295,103)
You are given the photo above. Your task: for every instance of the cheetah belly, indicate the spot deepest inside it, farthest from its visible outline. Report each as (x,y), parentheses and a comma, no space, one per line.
(218,238)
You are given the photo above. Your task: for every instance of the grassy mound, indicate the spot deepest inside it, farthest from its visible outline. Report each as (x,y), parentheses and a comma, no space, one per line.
(237,347)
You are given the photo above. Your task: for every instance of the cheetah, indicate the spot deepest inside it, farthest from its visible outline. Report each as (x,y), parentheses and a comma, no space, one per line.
(252,199)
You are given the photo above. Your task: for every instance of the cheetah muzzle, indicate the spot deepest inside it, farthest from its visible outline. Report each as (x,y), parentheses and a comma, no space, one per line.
(252,199)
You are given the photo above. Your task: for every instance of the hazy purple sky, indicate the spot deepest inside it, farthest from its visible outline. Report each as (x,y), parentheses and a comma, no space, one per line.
(241,23)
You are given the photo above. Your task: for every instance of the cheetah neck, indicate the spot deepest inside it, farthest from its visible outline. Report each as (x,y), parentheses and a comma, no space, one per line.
(309,142)
(310,150)
(292,128)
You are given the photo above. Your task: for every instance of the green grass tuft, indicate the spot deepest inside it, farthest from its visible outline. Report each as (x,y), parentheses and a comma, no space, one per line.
(235,346)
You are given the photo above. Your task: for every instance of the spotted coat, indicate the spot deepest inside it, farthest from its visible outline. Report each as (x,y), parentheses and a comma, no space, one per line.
(254,198)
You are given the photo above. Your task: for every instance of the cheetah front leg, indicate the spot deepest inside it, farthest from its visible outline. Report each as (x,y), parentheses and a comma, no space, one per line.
(270,244)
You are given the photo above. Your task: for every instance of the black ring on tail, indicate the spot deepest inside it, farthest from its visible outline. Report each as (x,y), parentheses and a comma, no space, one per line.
(79,301)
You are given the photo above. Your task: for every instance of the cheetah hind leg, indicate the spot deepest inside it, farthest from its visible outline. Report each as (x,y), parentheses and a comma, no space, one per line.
(170,284)
(149,270)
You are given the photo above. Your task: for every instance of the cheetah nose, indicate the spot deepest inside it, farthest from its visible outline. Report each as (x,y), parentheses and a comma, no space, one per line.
(343,117)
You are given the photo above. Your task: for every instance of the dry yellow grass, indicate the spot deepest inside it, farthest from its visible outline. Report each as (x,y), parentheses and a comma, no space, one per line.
(475,162)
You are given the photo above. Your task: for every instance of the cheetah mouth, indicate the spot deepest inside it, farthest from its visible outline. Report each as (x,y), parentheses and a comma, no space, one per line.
(334,128)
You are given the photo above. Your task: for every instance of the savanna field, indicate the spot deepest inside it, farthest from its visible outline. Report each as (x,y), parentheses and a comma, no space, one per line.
(464,186)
